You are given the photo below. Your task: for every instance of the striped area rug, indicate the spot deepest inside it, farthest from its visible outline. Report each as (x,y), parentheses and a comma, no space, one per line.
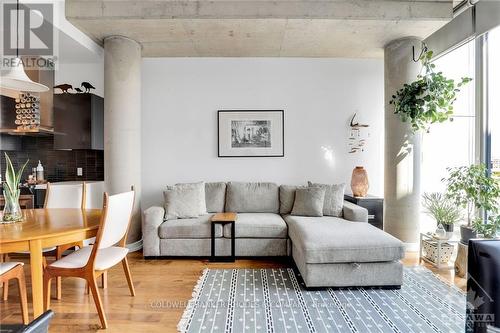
(273,300)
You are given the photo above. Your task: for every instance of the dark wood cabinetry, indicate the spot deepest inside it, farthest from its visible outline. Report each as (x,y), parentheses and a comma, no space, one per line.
(375,206)
(78,121)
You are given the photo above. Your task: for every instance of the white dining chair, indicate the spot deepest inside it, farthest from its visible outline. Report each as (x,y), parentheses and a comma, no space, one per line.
(65,196)
(109,250)
(14,270)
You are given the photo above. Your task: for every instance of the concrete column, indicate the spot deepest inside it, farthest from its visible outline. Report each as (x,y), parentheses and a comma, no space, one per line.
(402,147)
(122,122)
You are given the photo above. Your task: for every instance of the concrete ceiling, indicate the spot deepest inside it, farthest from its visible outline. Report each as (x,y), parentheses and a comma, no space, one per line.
(260,28)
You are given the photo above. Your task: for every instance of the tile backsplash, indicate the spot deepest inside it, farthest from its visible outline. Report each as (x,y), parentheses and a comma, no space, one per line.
(59,165)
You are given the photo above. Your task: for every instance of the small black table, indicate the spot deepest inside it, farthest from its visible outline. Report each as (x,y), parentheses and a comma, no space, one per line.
(223,218)
(375,206)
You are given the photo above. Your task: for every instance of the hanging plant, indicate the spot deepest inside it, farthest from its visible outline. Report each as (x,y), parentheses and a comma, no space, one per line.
(429,99)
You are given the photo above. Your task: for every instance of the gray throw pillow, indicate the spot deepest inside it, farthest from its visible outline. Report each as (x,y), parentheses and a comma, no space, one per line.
(334,198)
(287,198)
(309,201)
(185,201)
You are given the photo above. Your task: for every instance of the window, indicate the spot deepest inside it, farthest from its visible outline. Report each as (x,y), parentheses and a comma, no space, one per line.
(493,88)
(450,144)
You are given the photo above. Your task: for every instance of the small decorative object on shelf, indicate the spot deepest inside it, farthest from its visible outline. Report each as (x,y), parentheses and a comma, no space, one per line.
(87,86)
(375,206)
(27,112)
(64,87)
(12,210)
(359,182)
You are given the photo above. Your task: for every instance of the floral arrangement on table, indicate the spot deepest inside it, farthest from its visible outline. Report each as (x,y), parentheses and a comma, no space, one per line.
(11,192)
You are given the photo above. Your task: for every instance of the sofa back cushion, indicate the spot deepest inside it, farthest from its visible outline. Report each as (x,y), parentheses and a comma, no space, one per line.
(252,197)
(287,198)
(215,197)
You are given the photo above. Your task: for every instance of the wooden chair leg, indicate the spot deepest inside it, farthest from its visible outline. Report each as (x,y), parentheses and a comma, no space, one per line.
(5,285)
(21,283)
(6,290)
(104,280)
(126,268)
(92,283)
(46,291)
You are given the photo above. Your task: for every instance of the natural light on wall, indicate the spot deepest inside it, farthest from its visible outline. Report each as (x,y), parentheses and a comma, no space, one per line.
(450,144)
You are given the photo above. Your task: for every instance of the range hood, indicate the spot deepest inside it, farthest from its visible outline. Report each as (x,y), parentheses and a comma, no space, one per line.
(46,106)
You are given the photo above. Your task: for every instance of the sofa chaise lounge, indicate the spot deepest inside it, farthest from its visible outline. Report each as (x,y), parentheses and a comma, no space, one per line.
(328,251)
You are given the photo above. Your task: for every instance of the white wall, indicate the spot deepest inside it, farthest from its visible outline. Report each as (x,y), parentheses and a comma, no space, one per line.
(181,96)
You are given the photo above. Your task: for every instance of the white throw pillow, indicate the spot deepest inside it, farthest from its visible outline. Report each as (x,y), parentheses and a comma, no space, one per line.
(185,201)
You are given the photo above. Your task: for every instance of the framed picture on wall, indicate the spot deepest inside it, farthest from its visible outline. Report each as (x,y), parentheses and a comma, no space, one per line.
(251,133)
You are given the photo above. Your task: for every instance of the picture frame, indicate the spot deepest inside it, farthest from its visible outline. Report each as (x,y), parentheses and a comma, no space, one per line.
(250,133)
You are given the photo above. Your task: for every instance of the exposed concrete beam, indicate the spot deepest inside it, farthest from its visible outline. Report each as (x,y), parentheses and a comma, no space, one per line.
(260,9)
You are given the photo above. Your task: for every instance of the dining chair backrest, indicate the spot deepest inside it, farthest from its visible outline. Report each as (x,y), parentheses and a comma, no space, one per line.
(93,195)
(65,196)
(117,212)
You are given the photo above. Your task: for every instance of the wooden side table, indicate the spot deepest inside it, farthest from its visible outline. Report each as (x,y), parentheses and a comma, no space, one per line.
(223,218)
(375,206)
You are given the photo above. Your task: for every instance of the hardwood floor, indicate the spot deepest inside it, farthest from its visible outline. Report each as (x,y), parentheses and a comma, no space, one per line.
(163,288)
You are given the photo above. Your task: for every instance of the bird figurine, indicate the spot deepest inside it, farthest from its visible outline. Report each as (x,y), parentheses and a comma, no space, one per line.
(78,90)
(87,86)
(64,87)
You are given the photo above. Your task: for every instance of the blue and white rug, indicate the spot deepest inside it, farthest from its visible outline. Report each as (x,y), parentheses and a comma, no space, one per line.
(273,300)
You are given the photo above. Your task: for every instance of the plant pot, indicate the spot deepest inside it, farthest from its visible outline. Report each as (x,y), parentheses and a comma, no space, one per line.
(12,212)
(449,230)
(466,233)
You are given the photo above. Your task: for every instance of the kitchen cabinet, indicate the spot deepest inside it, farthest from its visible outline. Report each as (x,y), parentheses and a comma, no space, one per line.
(78,121)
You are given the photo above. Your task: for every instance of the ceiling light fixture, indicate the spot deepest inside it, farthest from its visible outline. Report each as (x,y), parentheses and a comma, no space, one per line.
(16,78)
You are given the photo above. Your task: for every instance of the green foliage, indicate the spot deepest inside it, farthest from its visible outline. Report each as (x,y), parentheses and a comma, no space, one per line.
(441,208)
(470,187)
(429,99)
(11,189)
(489,229)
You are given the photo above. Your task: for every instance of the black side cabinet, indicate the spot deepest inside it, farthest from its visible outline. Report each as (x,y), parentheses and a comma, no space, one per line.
(78,121)
(375,206)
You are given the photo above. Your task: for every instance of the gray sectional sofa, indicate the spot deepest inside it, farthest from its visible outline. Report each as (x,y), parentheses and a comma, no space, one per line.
(328,251)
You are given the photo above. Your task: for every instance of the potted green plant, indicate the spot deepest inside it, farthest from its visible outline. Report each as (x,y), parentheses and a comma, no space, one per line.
(442,209)
(471,188)
(489,229)
(429,99)
(12,211)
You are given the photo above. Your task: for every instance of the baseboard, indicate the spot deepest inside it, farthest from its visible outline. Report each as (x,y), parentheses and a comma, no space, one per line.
(135,246)
(411,247)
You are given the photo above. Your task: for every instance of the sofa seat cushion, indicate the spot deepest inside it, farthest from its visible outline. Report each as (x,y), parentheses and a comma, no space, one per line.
(331,239)
(258,225)
(189,228)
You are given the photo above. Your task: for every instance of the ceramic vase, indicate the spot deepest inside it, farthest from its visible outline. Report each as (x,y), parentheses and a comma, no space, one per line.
(359,182)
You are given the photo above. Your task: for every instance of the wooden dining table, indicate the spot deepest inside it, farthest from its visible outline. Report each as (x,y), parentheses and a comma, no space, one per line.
(46,228)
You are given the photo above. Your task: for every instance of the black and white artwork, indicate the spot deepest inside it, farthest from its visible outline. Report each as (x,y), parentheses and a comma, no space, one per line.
(250,133)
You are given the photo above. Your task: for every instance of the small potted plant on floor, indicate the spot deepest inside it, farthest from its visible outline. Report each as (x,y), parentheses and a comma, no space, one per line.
(471,188)
(443,210)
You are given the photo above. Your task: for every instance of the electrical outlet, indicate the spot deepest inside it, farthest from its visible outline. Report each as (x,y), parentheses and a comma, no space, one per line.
(79,172)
